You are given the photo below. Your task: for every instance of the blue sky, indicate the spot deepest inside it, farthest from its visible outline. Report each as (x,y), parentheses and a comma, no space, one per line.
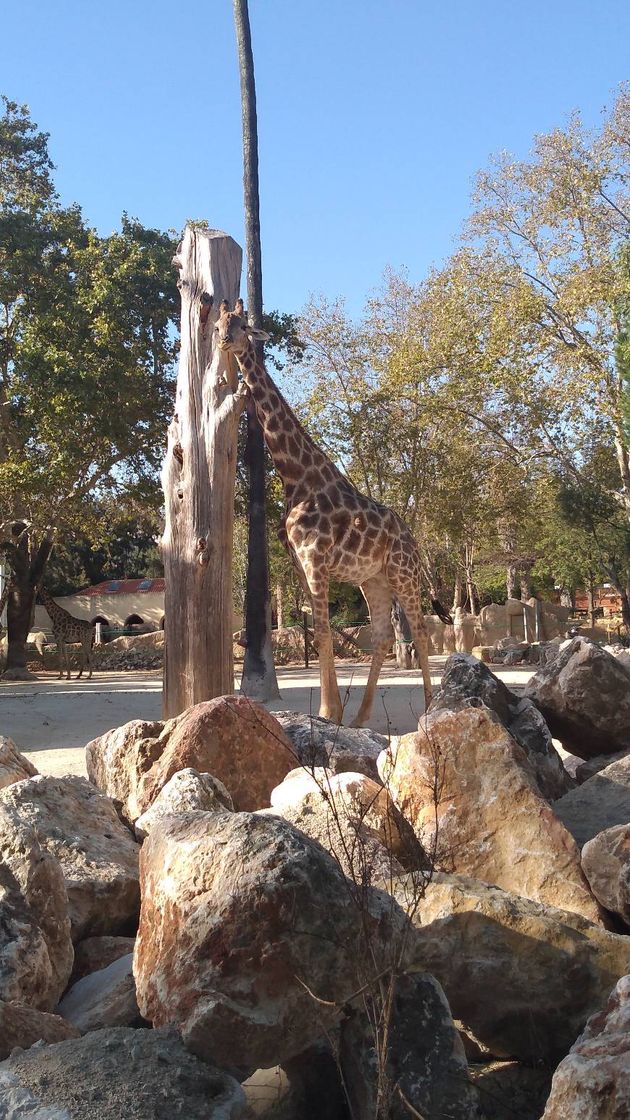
(373,116)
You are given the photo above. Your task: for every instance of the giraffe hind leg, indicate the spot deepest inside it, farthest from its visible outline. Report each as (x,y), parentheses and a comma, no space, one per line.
(378,596)
(407,590)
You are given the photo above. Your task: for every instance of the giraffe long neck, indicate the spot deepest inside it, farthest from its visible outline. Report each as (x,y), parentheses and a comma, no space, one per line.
(296,456)
(57,613)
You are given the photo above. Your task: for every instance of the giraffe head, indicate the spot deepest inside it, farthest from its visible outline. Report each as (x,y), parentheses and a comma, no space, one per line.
(232,330)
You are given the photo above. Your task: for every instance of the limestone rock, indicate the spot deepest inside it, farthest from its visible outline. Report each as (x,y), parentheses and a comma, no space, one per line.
(598,804)
(103,999)
(467,681)
(23,1026)
(231,737)
(35,946)
(114,1073)
(98,855)
(320,742)
(521,976)
(185,791)
(351,816)
(246,927)
(584,696)
(426,1060)
(606,864)
(14,766)
(492,822)
(592,766)
(95,953)
(593,1081)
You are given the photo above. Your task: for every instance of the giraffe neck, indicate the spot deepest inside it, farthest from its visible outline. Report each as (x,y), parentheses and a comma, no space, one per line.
(296,456)
(53,608)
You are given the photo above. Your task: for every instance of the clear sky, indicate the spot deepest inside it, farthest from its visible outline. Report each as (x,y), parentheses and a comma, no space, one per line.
(373,115)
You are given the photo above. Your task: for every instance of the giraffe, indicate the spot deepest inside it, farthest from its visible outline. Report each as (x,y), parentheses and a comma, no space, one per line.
(3,602)
(331,530)
(68,630)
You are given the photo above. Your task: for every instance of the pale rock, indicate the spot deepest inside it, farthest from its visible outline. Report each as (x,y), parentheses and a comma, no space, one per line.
(606,864)
(250,939)
(522,977)
(351,816)
(426,1064)
(97,853)
(466,681)
(593,1081)
(320,742)
(117,1073)
(14,766)
(600,803)
(185,791)
(103,999)
(35,945)
(584,696)
(462,774)
(231,737)
(95,953)
(23,1026)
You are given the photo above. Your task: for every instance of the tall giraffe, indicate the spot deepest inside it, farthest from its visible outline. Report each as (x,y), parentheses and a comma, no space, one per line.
(332,531)
(67,631)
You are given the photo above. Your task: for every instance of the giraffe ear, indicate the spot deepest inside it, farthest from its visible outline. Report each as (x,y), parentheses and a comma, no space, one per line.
(257,335)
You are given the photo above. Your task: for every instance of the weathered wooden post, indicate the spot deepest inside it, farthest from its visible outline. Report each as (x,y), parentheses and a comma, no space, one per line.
(198,481)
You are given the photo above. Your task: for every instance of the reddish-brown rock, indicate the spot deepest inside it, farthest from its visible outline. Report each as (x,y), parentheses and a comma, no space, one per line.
(606,864)
(593,1081)
(462,772)
(23,1026)
(250,937)
(233,738)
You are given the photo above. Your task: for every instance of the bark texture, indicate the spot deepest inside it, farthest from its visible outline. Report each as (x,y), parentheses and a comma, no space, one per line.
(198,482)
(27,567)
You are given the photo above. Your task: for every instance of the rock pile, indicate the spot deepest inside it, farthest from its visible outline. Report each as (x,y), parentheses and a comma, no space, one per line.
(405,927)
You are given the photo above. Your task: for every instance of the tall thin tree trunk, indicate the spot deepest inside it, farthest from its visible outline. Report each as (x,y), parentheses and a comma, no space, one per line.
(259,674)
(27,566)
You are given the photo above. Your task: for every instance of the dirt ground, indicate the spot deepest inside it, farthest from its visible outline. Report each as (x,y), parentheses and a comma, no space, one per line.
(51,720)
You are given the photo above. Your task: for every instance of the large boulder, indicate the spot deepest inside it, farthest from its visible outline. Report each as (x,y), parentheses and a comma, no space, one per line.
(606,864)
(251,938)
(187,790)
(231,737)
(320,742)
(584,695)
(103,999)
(511,1090)
(464,784)
(14,766)
(600,803)
(35,945)
(426,1066)
(114,1073)
(587,769)
(23,1026)
(467,681)
(97,853)
(593,1081)
(353,817)
(522,977)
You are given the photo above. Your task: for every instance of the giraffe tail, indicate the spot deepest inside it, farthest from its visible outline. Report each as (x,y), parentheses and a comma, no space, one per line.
(441,612)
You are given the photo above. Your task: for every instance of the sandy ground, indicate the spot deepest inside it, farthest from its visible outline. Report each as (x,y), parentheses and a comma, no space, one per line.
(52,720)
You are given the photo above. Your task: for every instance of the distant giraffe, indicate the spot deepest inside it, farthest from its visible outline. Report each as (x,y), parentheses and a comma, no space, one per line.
(67,631)
(332,531)
(3,603)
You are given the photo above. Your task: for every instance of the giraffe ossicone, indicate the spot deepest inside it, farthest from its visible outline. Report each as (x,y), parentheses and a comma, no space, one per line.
(331,530)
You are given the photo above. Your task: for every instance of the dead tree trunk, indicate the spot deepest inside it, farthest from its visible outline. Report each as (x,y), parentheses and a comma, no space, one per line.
(198,482)
(27,564)
(406,653)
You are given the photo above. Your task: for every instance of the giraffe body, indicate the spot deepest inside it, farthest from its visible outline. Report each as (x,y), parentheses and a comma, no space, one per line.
(67,631)
(331,529)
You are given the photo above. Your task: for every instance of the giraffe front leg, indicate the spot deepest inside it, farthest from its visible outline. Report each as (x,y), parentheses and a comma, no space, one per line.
(330,702)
